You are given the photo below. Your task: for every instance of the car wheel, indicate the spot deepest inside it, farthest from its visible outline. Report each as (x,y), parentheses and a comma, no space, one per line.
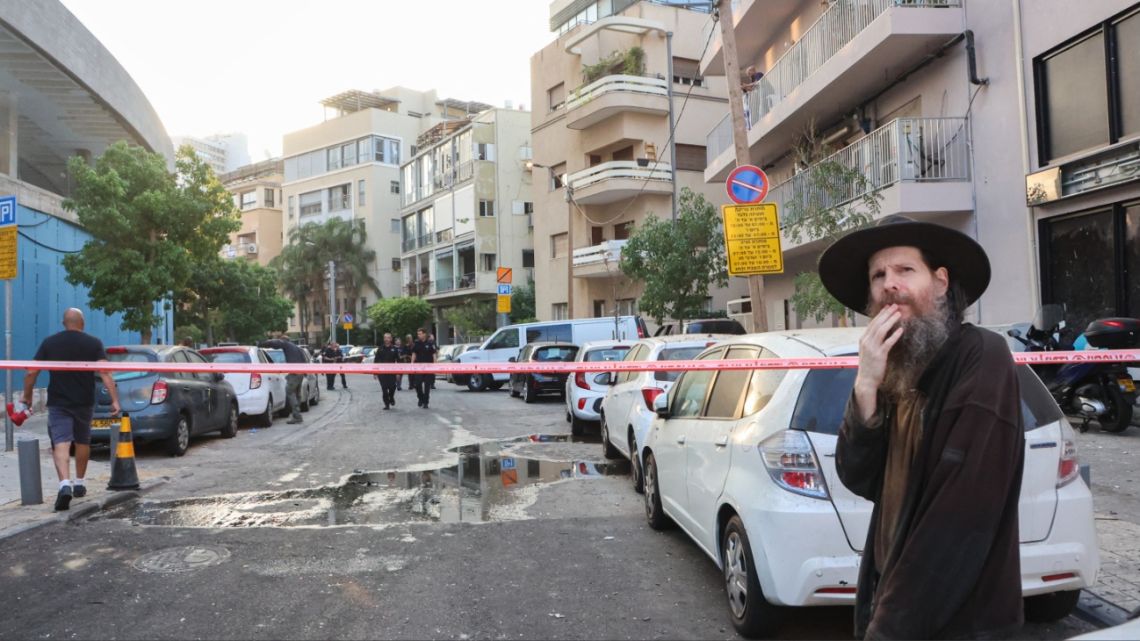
(1118,416)
(635,472)
(528,391)
(229,430)
(752,615)
(608,449)
(265,419)
(1054,606)
(179,441)
(654,515)
(477,382)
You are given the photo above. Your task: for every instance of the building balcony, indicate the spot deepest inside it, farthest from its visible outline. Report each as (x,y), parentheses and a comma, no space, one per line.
(620,179)
(462,285)
(611,95)
(837,64)
(919,167)
(598,261)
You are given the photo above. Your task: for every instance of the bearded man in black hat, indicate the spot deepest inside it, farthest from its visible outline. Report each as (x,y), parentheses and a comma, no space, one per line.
(932,434)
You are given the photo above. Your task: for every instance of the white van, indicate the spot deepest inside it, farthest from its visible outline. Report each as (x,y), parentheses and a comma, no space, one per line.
(506,343)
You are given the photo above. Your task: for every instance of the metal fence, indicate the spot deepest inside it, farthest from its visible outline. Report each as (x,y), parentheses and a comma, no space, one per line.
(903,150)
(719,139)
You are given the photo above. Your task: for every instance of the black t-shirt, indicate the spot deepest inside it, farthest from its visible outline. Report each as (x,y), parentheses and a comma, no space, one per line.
(71,389)
(424,351)
(386,354)
(293,354)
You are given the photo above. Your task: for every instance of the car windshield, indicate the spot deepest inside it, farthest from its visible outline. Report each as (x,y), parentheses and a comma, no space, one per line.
(606,354)
(555,353)
(227,357)
(276,355)
(676,354)
(130,357)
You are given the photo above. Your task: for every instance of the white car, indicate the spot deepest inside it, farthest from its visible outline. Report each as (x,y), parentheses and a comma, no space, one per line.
(626,411)
(310,385)
(258,395)
(583,390)
(744,462)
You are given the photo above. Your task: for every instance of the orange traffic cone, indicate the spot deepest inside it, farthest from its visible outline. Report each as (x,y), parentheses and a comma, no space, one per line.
(123,473)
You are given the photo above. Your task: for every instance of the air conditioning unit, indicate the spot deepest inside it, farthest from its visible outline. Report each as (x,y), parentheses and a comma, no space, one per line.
(251,248)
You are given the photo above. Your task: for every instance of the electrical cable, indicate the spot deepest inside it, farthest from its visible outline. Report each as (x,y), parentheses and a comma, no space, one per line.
(48,247)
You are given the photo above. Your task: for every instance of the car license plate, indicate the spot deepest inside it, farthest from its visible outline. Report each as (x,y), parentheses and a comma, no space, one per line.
(104,423)
(1126,384)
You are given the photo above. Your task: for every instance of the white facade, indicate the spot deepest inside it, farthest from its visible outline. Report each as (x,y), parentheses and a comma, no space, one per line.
(223,152)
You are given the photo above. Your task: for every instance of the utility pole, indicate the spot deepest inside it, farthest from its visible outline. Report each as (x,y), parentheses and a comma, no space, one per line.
(672,120)
(739,139)
(332,302)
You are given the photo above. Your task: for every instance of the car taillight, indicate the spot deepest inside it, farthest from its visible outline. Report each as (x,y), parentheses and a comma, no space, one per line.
(1068,469)
(116,350)
(580,380)
(254,380)
(582,403)
(158,392)
(792,464)
(650,394)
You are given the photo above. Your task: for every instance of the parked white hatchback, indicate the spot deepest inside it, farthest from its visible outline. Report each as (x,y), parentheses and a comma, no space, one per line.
(584,391)
(626,412)
(743,461)
(258,395)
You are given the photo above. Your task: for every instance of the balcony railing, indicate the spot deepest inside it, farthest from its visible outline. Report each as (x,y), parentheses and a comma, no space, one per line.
(903,150)
(466,281)
(629,169)
(606,253)
(719,139)
(445,236)
(409,244)
(444,285)
(838,26)
(650,85)
(418,288)
(426,240)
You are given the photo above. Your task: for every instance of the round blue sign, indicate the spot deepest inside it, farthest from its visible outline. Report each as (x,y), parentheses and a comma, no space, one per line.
(747,184)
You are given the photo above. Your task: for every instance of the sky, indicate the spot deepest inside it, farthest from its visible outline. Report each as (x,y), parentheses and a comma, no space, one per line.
(261,67)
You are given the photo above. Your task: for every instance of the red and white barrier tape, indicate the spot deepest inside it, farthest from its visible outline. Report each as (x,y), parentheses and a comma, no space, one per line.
(839,362)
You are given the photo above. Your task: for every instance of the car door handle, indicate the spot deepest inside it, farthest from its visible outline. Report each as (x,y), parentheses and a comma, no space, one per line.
(721,442)
(680,440)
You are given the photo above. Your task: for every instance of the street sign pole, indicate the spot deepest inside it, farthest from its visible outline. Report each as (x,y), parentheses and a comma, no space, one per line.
(8,271)
(9,430)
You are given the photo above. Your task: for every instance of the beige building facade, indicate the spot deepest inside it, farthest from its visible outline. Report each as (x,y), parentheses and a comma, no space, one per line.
(257,195)
(467,210)
(935,103)
(348,167)
(603,159)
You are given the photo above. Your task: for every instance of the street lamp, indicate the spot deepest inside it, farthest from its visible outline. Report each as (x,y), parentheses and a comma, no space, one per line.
(565,179)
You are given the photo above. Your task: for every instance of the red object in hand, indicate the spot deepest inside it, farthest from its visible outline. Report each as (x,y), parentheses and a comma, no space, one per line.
(18,412)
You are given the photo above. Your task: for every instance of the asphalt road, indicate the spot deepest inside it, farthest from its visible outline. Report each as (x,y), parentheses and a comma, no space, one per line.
(299,532)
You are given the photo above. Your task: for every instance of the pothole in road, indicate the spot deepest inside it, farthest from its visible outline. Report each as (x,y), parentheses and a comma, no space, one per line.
(492,481)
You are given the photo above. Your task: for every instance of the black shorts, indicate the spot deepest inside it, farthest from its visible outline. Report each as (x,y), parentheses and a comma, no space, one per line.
(68,424)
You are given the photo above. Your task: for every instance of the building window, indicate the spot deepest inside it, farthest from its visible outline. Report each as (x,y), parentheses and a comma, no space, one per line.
(310,203)
(527,258)
(691,157)
(556,96)
(559,311)
(556,173)
(687,72)
(488,262)
(249,200)
(268,197)
(558,245)
(292,203)
(484,151)
(486,208)
(627,307)
(340,197)
(333,158)
(348,153)
(623,230)
(395,264)
(395,226)
(1082,101)
(361,188)
(394,187)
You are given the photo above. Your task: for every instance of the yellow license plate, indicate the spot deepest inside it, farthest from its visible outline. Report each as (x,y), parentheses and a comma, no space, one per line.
(1126,384)
(104,423)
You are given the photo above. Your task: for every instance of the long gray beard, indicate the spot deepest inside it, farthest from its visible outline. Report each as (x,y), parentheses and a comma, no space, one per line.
(922,337)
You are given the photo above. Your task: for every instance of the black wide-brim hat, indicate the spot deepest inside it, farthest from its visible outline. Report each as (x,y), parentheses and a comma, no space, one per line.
(843,265)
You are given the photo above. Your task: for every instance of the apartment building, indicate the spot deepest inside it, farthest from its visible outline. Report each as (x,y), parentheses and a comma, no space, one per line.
(348,167)
(257,194)
(222,152)
(603,156)
(934,103)
(467,209)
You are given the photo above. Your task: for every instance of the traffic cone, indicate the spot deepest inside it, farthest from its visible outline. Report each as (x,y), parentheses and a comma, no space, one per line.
(123,473)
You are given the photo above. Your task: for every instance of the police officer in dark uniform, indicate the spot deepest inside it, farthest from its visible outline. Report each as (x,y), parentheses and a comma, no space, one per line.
(387,354)
(423,351)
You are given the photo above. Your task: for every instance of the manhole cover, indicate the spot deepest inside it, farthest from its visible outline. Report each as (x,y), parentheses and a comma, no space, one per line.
(182,559)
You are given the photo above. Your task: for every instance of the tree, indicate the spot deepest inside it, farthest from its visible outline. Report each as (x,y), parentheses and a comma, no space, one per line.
(677,262)
(473,318)
(400,316)
(522,304)
(829,199)
(148,226)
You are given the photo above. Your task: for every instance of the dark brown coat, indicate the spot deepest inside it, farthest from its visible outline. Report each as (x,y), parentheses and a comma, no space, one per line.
(954,570)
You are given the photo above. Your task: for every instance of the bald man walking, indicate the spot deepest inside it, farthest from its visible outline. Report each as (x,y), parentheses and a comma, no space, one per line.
(71,401)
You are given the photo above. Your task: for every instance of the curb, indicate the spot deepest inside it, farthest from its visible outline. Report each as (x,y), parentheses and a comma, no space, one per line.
(1099,611)
(87,509)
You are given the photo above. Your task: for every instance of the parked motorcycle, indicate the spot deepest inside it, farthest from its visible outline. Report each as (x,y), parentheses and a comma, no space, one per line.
(1101,391)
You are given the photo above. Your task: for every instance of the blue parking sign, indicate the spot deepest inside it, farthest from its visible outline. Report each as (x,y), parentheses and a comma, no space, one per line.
(7,211)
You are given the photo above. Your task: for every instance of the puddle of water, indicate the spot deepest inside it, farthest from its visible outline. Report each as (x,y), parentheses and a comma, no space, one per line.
(490,482)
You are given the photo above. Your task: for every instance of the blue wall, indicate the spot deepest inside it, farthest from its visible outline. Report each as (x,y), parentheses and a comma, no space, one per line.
(41,293)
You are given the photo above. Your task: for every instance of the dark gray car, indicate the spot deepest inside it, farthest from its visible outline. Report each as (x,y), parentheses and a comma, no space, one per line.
(166,406)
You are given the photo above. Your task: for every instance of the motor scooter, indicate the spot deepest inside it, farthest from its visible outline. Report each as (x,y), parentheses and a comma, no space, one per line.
(1104,392)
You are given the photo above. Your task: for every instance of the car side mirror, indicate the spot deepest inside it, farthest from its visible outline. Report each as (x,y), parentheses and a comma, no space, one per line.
(512,360)
(661,405)
(605,378)
(219,377)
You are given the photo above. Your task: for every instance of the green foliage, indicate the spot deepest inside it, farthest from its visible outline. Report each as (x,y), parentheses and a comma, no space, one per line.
(811,299)
(237,297)
(149,227)
(522,303)
(472,318)
(401,316)
(630,62)
(678,262)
